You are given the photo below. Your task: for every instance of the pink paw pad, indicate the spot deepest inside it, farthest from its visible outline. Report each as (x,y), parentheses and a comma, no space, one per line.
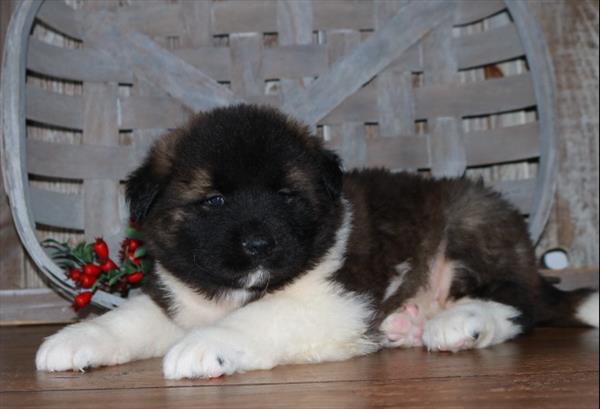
(405,327)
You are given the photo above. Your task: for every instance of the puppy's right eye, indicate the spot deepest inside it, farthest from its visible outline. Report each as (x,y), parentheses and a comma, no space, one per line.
(288,194)
(215,201)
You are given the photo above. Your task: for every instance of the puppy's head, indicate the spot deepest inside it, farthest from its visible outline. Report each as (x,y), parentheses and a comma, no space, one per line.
(243,197)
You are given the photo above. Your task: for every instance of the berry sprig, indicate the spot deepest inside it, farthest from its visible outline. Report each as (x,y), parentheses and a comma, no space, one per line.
(90,268)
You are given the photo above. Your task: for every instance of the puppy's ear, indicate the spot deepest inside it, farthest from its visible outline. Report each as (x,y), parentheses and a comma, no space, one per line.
(145,183)
(331,173)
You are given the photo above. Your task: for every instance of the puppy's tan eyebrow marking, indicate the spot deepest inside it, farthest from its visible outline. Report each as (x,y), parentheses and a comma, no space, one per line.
(196,185)
(298,179)
(163,152)
(301,181)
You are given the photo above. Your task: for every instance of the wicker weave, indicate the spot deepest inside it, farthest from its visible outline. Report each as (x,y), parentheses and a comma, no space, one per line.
(442,88)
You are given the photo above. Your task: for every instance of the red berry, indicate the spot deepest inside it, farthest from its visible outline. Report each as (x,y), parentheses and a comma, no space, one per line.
(82,299)
(137,261)
(87,280)
(91,269)
(135,277)
(101,249)
(75,274)
(133,245)
(108,265)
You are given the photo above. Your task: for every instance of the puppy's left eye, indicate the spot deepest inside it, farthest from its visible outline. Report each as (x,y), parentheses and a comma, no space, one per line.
(215,201)
(288,194)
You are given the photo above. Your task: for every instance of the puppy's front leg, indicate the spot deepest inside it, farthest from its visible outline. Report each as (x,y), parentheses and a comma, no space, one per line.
(311,321)
(138,329)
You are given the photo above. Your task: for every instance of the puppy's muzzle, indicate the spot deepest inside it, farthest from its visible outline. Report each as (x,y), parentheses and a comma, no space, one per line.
(258,245)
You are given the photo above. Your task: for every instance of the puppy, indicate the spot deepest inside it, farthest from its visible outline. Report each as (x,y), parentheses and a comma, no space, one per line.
(266,253)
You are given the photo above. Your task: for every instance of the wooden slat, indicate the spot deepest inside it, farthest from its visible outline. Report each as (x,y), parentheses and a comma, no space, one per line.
(488,47)
(446,142)
(74,64)
(405,152)
(51,108)
(246,60)
(34,306)
(349,137)
(492,146)
(519,192)
(538,58)
(309,60)
(295,31)
(78,161)
(259,16)
(137,112)
(574,278)
(57,209)
(213,61)
(395,96)
(288,61)
(153,18)
(196,21)
(470,11)
(503,145)
(342,14)
(255,15)
(366,60)
(148,60)
(150,112)
(447,148)
(478,98)
(62,18)
(235,16)
(350,144)
(295,61)
(239,16)
(101,216)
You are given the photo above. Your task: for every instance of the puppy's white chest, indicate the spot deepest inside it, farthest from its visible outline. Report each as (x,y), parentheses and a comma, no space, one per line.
(190,309)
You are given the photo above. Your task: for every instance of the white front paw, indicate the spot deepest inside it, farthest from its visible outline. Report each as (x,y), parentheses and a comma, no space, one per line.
(77,347)
(205,353)
(455,329)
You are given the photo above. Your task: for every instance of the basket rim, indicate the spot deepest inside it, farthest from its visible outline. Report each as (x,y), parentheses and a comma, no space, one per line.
(13,119)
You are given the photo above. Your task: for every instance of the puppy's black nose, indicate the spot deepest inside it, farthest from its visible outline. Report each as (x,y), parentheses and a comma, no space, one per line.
(258,245)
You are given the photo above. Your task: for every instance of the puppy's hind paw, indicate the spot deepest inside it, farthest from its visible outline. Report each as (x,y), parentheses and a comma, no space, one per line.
(475,324)
(403,328)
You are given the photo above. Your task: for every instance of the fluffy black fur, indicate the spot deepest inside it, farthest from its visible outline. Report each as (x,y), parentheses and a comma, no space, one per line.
(243,187)
(278,187)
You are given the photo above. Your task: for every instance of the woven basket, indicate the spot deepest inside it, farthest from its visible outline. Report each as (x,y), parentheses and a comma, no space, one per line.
(441,88)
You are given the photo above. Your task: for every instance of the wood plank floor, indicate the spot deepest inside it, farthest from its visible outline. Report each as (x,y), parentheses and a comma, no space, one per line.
(550,368)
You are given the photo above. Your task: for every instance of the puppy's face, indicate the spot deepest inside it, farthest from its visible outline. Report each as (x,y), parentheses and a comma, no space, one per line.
(241,198)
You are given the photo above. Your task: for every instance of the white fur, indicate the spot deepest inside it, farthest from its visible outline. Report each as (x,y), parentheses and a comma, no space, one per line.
(138,329)
(587,312)
(257,278)
(311,320)
(471,324)
(191,309)
(396,281)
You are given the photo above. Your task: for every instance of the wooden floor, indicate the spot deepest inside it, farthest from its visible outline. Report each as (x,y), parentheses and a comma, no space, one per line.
(550,368)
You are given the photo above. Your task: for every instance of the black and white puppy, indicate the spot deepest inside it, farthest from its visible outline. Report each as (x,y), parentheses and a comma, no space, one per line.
(267,254)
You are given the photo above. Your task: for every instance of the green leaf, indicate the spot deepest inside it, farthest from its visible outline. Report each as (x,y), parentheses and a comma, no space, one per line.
(133,233)
(51,243)
(88,253)
(146,265)
(140,252)
(68,264)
